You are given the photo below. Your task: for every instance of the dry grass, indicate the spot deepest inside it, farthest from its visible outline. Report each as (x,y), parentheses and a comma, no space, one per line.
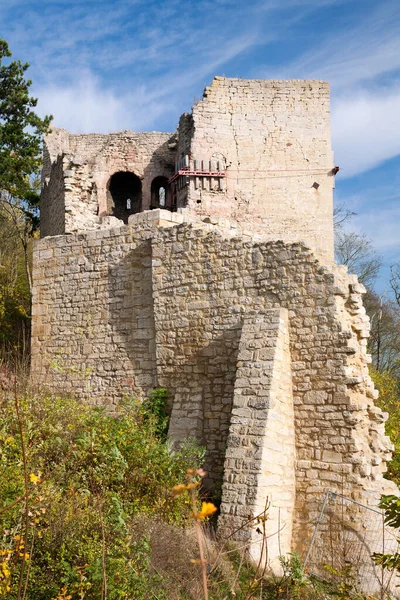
(174,556)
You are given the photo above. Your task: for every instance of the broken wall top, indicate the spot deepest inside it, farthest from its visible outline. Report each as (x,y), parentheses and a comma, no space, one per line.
(252,151)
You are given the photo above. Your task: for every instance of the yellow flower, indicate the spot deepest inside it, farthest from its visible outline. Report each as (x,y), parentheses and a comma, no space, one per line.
(192,485)
(35,479)
(207,509)
(179,489)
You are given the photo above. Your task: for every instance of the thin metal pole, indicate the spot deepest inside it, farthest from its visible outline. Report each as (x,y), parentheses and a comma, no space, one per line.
(355,502)
(316,527)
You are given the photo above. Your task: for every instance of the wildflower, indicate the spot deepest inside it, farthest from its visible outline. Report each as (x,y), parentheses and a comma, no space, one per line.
(200,472)
(192,485)
(207,509)
(35,479)
(24,555)
(179,489)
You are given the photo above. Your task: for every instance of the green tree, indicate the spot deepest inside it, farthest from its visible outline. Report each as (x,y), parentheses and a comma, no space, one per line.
(384,341)
(21,132)
(21,137)
(395,281)
(14,289)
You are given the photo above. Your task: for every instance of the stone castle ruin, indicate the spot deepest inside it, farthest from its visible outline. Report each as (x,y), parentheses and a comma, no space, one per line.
(202,261)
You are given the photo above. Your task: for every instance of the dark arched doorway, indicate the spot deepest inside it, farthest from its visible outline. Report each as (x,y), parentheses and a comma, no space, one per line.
(125,194)
(160,193)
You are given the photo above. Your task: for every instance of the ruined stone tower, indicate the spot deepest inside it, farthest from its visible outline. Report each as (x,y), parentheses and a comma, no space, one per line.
(257,153)
(202,261)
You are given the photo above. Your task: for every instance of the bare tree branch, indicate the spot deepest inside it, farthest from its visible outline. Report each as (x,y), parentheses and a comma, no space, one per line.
(357,252)
(395,281)
(341,214)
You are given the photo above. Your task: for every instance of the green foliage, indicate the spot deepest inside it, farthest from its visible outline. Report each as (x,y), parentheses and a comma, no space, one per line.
(102,522)
(346,583)
(91,477)
(21,130)
(389,401)
(21,136)
(388,561)
(294,583)
(384,341)
(391,506)
(293,567)
(156,405)
(14,292)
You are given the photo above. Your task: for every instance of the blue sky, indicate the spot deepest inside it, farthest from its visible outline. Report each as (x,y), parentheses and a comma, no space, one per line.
(138,64)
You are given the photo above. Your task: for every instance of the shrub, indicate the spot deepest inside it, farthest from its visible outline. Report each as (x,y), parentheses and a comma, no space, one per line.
(389,401)
(91,477)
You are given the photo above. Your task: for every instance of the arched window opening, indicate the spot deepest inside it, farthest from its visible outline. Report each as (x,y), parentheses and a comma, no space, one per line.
(160,193)
(125,195)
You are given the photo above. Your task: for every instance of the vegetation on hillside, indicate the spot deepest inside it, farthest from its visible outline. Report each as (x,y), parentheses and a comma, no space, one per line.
(83,492)
(100,507)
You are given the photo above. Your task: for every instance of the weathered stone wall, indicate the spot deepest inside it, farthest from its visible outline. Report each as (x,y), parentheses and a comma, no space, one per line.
(261,346)
(259,468)
(123,310)
(271,138)
(93,329)
(274,137)
(88,163)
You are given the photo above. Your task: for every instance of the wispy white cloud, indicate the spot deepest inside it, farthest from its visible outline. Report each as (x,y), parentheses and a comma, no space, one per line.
(356,58)
(365,128)
(127,65)
(355,53)
(85,106)
(382,227)
(138,53)
(376,208)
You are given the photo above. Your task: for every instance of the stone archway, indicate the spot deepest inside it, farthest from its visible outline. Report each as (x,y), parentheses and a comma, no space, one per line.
(160,193)
(124,195)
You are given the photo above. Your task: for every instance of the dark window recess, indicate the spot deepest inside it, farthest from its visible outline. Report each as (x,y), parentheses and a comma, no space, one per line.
(125,190)
(160,193)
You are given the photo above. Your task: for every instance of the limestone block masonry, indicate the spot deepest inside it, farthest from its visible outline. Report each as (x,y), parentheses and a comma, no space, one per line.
(230,299)
(269,139)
